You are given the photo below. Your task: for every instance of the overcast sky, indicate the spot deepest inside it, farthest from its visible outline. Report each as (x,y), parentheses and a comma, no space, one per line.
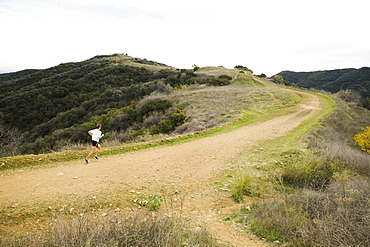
(267,36)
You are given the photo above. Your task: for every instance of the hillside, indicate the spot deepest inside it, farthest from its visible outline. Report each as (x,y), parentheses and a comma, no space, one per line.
(333,80)
(51,107)
(87,87)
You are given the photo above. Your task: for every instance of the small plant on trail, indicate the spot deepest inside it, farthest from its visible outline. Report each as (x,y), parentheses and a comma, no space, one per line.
(363,139)
(153,203)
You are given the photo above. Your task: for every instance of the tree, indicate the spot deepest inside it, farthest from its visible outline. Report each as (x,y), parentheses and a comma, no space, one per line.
(241,67)
(366,103)
(10,141)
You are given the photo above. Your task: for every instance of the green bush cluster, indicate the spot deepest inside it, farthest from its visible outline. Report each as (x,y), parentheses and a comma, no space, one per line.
(222,80)
(168,125)
(243,68)
(127,122)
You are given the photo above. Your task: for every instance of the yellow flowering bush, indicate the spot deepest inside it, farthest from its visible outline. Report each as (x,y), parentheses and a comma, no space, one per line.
(363,139)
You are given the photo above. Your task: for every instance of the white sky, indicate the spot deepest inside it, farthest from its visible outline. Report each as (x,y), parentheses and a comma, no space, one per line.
(267,36)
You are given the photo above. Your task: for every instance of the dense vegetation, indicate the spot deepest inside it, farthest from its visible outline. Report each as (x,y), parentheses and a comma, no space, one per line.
(345,80)
(54,106)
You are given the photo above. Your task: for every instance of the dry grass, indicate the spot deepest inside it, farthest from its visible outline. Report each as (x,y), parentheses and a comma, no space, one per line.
(352,157)
(334,138)
(217,71)
(214,106)
(338,216)
(101,229)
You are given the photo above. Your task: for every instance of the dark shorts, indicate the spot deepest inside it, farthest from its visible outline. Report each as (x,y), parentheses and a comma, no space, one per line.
(95,143)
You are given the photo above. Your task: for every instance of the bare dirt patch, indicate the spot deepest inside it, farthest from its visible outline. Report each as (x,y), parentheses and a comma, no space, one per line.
(189,168)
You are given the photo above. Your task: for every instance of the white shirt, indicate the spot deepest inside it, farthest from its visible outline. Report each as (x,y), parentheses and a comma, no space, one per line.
(96,134)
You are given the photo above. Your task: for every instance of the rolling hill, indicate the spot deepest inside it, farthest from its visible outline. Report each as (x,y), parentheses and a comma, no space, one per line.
(333,80)
(49,108)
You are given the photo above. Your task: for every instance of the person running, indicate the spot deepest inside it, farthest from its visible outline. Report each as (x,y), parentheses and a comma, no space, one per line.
(96,135)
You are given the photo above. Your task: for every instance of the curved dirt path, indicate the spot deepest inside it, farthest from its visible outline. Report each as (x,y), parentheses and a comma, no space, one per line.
(189,168)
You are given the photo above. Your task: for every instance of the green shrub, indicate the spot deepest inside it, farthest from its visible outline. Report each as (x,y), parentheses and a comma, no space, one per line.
(309,172)
(222,80)
(177,118)
(225,77)
(156,105)
(168,125)
(164,126)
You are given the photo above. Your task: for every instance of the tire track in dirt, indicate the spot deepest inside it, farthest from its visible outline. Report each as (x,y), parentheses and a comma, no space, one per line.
(187,167)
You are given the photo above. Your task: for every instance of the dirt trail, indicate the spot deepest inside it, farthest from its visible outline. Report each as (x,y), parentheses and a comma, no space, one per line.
(187,167)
